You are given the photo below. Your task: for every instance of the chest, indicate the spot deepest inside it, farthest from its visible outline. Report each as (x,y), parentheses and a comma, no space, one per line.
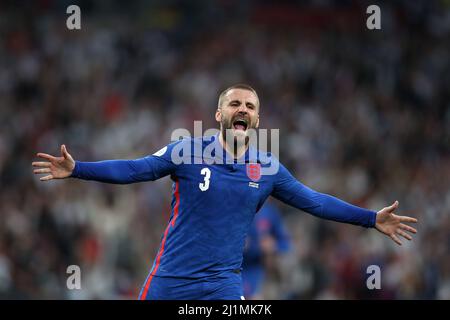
(239,183)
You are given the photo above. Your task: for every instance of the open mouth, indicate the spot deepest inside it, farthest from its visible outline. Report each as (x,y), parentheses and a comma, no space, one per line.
(240,124)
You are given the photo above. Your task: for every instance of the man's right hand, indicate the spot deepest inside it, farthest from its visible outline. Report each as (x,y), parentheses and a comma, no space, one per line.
(57,167)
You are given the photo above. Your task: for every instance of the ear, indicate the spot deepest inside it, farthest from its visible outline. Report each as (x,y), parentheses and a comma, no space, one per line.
(218,115)
(257,122)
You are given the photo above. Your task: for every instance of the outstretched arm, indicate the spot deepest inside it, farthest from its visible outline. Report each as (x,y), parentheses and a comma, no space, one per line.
(291,191)
(110,171)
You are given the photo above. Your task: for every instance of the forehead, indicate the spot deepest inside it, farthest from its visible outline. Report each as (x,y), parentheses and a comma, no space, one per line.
(241,95)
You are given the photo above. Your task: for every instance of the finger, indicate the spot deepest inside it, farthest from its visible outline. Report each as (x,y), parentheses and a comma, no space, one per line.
(396,239)
(392,207)
(46,156)
(45,170)
(407,228)
(41,164)
(64,152)
(404,234)
(49,177)
(407,219)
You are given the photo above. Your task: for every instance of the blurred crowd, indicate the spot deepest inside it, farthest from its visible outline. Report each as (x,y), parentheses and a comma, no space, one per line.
(363,115)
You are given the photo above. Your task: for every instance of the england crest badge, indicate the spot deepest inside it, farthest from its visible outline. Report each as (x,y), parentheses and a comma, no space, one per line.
(254,171)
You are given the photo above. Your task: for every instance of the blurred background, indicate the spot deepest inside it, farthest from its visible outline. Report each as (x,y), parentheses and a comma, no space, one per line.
(363,115)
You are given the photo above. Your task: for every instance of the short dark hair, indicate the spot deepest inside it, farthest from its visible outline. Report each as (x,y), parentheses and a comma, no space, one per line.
(236,86)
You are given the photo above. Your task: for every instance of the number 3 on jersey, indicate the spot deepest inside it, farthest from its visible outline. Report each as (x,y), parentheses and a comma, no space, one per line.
(205,184)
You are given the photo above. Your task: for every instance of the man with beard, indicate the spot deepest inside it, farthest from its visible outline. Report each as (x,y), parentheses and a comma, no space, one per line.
(214,201)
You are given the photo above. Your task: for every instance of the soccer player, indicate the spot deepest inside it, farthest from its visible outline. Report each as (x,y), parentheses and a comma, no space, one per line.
(266,241)
(214,201)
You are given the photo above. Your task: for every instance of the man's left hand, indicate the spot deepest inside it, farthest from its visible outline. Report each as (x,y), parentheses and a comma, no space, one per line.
(393,225)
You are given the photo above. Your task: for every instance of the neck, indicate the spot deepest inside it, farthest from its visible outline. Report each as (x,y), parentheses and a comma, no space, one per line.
(237,151)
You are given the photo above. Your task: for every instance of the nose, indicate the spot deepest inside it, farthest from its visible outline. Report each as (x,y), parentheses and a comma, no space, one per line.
(242,109)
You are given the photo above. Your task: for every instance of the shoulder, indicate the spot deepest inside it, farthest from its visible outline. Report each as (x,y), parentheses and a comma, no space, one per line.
(272,168)
(182,150)
(167,150)
(267,160)
(202,141)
